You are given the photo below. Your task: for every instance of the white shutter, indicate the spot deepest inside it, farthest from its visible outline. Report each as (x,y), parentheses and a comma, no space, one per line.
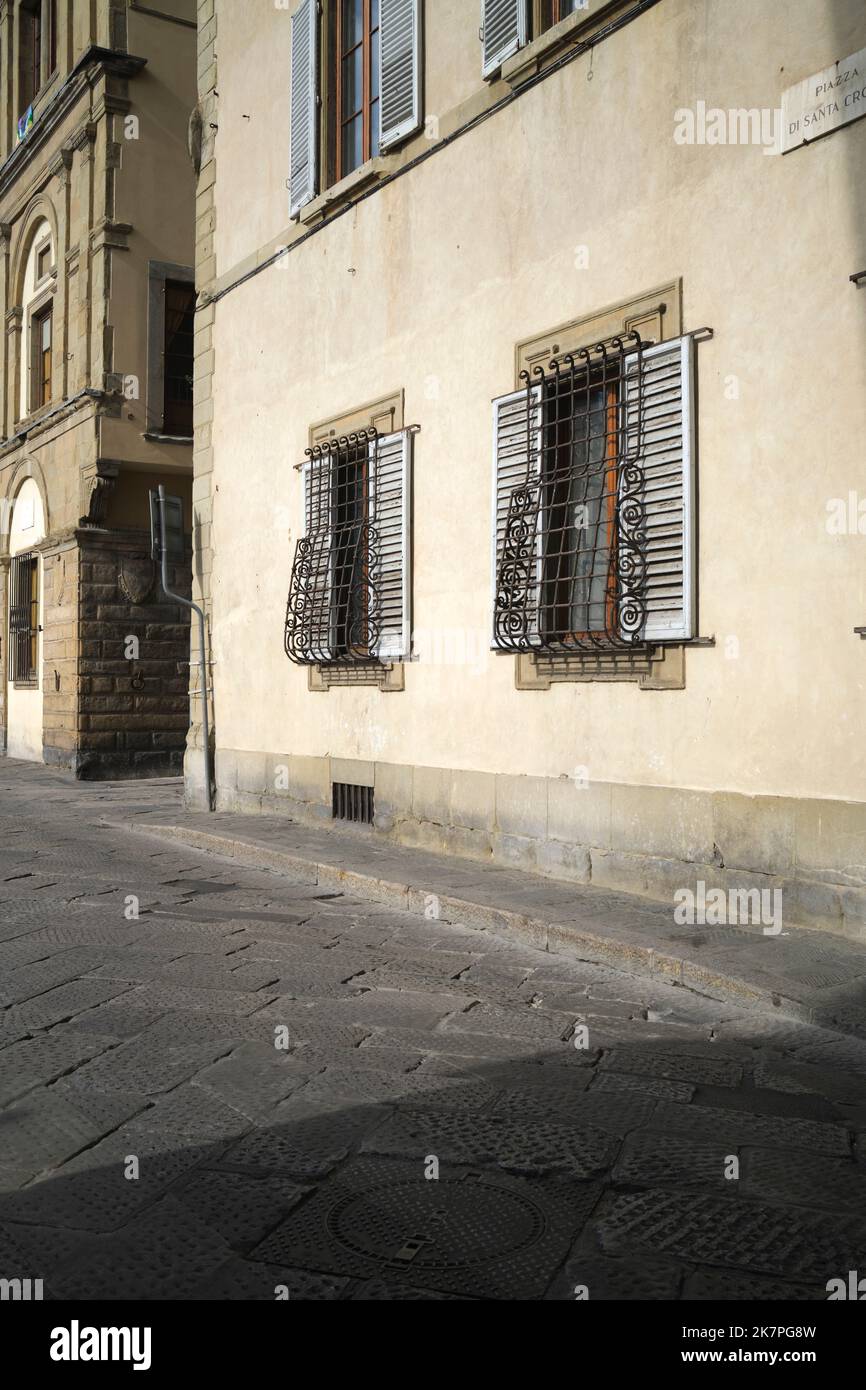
(516,463)
(667,461)
(400,60)
(391,552)
(315,619)
(303,176)
(504,29)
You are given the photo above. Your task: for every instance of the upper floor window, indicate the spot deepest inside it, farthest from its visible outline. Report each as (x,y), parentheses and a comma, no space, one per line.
(550,12)
(355,87)
(30,49)
(178,358)
(354,83)
(37,348)
(41,338)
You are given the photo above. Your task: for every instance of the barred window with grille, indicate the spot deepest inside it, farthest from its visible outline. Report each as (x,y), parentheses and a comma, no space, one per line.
(24,620)
(593,544)
(350,592)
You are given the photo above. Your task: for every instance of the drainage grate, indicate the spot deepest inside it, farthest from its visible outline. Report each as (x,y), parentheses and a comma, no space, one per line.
(352,803)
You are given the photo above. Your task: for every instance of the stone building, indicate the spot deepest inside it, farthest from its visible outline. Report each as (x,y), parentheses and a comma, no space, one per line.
(97,217)
(531,392)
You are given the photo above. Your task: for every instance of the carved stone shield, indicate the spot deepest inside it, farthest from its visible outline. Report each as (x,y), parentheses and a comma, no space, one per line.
(137,573)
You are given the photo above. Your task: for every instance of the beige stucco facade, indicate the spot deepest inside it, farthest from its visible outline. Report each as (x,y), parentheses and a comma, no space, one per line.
(96,215)
(747,765)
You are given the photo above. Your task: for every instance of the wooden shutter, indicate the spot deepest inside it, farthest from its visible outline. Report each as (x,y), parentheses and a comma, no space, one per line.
(665,385)
(504,30)
(517,504)
(400,62)
(390,483)
(303,176)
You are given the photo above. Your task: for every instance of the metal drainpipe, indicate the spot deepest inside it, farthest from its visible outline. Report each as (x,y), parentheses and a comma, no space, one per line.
(187,603)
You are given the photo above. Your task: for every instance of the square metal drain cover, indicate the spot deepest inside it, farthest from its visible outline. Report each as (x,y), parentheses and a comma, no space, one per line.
(484,1235)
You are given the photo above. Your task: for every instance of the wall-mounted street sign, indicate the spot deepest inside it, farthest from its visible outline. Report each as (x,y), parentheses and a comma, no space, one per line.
(174,537)
(824,102)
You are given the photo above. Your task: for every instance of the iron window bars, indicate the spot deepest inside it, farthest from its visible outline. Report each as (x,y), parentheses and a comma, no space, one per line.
(24,620)
(594,500)
(349,595)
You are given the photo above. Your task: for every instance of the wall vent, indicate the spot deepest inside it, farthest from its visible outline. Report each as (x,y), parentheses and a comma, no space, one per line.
(351,803)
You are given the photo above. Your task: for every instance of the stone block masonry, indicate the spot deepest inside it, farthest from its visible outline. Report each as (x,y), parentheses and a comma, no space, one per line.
(117,672)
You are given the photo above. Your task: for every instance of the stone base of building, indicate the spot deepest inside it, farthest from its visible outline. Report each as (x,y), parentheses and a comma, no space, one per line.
(115,659)
(663,843)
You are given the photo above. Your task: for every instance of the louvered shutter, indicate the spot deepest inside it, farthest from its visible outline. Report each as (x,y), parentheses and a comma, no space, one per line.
(390,502)
(400,60)
(504,29)
(664,381)
(303,177)
(310,617)
(517,530)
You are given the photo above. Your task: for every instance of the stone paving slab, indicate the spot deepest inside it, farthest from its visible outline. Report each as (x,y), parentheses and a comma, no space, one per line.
(795,973)
(283,1060)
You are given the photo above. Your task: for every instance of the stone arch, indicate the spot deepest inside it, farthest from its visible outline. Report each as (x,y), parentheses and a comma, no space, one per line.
(27,467)
(41,209)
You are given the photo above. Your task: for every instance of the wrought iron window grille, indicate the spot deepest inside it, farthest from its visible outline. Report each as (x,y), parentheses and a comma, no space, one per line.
(348,604)
(571,544)
(24,620)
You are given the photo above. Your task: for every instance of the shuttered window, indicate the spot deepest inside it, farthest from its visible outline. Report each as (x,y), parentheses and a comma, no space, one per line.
(24,620)
(504,30)
(594,496)
(350,592)
(400,68)
(303,178)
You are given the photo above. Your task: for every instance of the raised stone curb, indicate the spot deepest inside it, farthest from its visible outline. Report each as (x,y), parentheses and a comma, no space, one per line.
(795,975)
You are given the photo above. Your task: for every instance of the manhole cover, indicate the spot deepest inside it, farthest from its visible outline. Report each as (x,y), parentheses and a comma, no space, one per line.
(442,1223)
(482,1234)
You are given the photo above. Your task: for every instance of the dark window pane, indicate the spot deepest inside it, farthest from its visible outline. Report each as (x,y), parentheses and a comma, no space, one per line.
(353,145)
(353,83)
(178,360)
(353,23)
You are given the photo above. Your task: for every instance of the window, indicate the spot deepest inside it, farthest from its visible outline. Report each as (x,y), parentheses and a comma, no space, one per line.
(355,88)
(349,598)
(30,50)
(593,545)
(179,339)
(550,12)
(43,261)
(41,327)
(579,490)
(354,83)
(24,620)
(52,36)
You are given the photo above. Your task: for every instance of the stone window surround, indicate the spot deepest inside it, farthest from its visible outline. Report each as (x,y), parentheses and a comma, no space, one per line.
(386,415)
(158,272)
(656,315)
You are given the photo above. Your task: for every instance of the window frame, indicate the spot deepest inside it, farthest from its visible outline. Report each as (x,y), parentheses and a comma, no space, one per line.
(18,679)
(160,274)
(331,84)
(40,313)
(542,25)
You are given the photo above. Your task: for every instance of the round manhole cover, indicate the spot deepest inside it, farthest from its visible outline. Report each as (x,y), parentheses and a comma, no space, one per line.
(442,1223)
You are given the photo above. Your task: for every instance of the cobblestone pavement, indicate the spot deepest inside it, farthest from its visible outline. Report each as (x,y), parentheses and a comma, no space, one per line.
(218,1084)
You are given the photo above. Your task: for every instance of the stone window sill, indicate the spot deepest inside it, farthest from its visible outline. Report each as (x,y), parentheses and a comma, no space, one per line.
(387,678)
(663,669)
(358,181)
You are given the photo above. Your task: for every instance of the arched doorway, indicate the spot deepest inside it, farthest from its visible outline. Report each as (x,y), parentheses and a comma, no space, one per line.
(24,686)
